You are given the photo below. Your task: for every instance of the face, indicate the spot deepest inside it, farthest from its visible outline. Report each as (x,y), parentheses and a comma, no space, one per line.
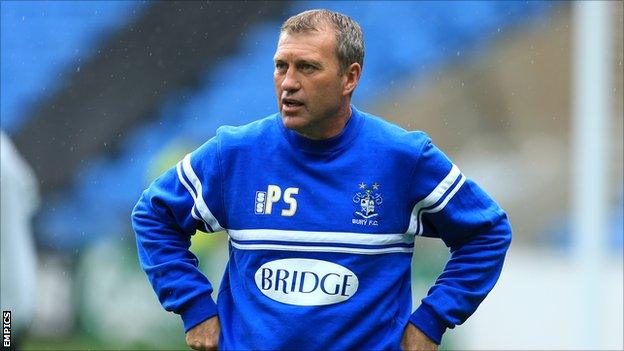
(311,96)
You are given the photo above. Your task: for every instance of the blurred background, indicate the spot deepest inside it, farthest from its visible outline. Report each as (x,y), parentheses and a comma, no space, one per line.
(99,98)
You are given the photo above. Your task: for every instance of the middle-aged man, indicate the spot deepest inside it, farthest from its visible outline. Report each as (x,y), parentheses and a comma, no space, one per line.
(321,203)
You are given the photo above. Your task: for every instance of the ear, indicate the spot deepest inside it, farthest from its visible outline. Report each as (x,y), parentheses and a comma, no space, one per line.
(351,78)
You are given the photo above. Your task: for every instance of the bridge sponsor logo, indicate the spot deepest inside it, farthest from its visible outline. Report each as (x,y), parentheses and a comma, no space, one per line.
(306,282)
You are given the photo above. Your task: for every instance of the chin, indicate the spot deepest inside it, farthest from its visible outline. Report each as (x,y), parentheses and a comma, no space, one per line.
(294,122)
(296,125)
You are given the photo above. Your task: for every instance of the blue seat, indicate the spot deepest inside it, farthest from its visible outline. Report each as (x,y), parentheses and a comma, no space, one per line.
(43,42)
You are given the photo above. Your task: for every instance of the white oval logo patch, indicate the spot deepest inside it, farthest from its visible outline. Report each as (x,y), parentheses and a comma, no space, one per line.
(306,282)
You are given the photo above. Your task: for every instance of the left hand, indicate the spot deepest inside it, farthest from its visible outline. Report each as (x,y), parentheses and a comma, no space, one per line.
(414,340)
(205,335)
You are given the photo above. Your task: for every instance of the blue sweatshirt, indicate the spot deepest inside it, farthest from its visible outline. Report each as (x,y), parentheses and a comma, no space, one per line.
(321,236)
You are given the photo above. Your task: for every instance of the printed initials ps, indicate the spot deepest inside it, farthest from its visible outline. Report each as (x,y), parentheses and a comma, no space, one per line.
(273,194)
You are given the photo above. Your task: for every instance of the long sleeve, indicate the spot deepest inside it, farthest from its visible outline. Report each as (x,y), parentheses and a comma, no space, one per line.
(184,199)
(472,225)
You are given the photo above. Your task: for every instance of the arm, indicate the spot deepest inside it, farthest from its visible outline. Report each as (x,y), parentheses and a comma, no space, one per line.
(475,229)
(414,340)
(165,217)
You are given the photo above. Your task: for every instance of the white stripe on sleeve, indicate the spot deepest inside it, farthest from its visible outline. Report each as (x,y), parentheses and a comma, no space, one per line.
(415,225)
(441,205)
(188,188)
(200,204)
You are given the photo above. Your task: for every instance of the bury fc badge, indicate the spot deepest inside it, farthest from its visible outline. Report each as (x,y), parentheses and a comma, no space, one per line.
(367,202)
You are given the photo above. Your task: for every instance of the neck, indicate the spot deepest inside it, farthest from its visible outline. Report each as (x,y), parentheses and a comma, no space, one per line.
(330,127)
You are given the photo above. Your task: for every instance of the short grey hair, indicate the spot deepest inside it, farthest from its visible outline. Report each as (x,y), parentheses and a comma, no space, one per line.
(349,37)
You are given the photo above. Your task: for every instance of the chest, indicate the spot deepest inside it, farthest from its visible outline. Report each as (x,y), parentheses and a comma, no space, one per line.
(352,196)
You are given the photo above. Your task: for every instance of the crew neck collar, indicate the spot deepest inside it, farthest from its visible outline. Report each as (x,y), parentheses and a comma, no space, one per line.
(348,133)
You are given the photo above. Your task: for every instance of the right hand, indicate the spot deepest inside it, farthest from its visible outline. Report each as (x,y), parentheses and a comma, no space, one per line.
(205,335)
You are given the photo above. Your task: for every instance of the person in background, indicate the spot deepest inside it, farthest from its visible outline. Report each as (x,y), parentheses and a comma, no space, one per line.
(321,203)
(20,200)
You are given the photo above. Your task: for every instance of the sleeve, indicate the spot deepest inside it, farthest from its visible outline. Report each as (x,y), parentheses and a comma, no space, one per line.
(455,209)
(184,199)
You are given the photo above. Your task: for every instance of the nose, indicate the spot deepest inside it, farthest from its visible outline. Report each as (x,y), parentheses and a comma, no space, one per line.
(290,83)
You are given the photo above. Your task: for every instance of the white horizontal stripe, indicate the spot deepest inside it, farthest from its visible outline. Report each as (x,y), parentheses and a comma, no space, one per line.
(432,198)
(442,204)
(188,188)
(320,237)
(321,248)
(201,206)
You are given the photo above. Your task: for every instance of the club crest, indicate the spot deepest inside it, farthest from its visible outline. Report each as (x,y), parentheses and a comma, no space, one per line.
(367,202)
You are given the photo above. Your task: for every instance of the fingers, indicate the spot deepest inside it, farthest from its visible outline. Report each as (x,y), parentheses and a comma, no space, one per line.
(204,336)
(208,344)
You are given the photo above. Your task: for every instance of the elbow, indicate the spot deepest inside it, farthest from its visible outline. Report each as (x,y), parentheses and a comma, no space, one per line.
(507,236)
(505,231)
(138,213)
(135,214)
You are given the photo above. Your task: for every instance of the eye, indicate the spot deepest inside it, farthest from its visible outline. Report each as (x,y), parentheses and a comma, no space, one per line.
(280,66)
(307,68)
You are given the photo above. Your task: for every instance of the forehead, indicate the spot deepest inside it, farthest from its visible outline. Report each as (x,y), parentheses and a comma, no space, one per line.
(318,45)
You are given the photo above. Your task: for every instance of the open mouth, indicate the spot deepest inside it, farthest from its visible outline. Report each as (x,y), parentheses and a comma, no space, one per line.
(291,102)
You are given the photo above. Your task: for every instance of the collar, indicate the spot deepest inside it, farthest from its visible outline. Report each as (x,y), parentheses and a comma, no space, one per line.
(348,134)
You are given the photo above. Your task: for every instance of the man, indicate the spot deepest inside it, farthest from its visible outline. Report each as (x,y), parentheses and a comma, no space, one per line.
(321,203)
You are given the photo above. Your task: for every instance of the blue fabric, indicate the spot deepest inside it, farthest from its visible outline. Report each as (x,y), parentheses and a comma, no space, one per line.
(371,163)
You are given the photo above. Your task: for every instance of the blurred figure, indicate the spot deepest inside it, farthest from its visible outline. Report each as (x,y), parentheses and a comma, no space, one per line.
(20,199)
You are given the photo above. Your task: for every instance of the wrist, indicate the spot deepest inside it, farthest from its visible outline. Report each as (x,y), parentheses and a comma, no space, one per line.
(197,311)
(428,323)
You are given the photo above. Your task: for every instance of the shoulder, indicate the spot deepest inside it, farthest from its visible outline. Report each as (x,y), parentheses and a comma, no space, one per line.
(248,132)
(393,137)
(237,137)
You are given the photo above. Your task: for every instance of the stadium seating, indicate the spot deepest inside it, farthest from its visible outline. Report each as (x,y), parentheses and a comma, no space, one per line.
(42,42)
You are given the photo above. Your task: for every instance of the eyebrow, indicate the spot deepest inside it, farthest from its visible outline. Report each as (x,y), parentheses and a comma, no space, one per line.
(302,61)
(310,62)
